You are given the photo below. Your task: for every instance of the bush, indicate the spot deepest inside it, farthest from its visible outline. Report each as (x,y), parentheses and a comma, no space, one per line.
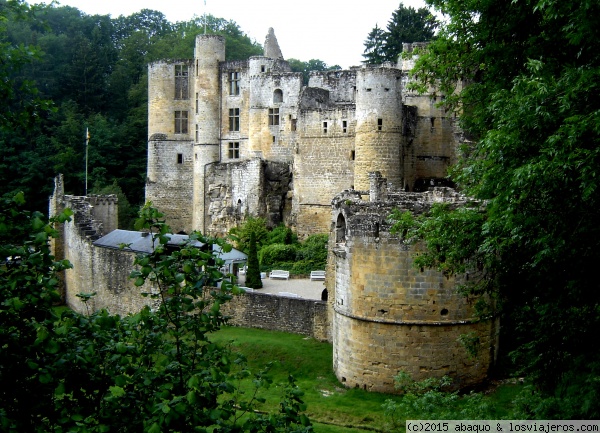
(272,254)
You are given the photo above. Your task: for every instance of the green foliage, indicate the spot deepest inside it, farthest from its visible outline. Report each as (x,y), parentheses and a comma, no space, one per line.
(94,70)
(530,113)
(406,25)
(430,399)
(152,371)
(275,253)
(307,67)
(256,226)
(253,279)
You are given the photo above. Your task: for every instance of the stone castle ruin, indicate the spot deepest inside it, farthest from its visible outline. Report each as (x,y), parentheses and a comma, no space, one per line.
(228,140)
(236,138)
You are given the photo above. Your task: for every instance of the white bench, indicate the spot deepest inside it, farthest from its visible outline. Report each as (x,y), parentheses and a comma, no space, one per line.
(317,275)
(289,295)
(246,289)
(285,275)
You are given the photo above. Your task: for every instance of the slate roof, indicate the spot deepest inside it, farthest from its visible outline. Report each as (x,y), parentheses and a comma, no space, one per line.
(141,242)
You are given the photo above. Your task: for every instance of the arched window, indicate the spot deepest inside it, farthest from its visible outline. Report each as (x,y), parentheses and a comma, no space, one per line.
(277,96)
(239,207)
(340,229)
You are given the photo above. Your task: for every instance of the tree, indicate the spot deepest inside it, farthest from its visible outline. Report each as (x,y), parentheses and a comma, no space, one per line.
(153,371)
(530,111)
(253,279)
(312,65)
(406,25)
(374,53)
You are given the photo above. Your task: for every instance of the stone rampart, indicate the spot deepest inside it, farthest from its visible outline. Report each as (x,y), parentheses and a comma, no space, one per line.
(279,313)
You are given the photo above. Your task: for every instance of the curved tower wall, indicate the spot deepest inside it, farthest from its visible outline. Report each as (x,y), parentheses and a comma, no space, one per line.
(209,52)
(387,315)
(378,126)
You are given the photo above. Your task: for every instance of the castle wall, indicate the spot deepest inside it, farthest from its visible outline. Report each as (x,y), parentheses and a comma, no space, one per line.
(278,313)
(169,184)
(323,165)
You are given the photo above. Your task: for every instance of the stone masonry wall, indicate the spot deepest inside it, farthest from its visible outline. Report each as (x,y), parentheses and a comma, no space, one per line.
(278,313)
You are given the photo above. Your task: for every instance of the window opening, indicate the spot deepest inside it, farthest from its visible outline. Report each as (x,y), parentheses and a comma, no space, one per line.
(340,229)
(262,68)
(324,127)
(197,133)
(353,155)
(273,116)
(181,122)
(293,124)
(379,124)
(277,96)
(432,122)
(181,82)
(234,119)
(234,83)
(344,126)
(180,158)
(197,102)
(234,150)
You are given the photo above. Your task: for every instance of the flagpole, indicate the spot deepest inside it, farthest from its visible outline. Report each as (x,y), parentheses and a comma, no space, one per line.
(204,16)
(87,142)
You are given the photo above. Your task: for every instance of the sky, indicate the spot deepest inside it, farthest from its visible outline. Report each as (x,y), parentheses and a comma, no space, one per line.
(333,31)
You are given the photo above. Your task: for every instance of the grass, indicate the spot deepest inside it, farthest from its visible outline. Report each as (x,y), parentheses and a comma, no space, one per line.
(331,407)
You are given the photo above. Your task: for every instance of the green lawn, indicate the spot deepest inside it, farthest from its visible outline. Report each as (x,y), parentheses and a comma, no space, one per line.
(331,407)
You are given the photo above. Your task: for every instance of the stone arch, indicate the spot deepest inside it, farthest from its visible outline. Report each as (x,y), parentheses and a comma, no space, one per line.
(340,229)
(277,96)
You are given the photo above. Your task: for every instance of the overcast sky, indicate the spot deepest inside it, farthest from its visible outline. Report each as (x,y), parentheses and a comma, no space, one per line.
(333,31)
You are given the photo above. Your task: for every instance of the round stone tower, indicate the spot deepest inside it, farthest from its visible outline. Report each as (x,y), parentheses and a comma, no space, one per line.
(378,126)
(209,52)
(387,315)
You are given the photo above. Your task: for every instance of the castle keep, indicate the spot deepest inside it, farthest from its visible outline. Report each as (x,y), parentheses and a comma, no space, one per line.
(237,138)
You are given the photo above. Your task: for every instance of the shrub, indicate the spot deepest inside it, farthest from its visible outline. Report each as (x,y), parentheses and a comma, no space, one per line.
(272,254)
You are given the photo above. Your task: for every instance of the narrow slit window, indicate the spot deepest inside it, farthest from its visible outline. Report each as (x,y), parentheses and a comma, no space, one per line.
(379,124)
(293,125)
(324,127)
(180,158)
(197,102)
(197,133)
(344,126)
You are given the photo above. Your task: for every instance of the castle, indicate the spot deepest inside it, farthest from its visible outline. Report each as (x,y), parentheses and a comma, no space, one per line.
(229,140)
(237,138)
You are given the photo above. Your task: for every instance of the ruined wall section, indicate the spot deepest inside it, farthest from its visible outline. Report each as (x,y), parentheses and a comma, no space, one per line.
(323,164)
(341,85)
(102,271)
(251,187)
(430,136)
(389,316)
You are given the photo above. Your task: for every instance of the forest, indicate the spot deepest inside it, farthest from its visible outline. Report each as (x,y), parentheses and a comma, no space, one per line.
(89,72)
